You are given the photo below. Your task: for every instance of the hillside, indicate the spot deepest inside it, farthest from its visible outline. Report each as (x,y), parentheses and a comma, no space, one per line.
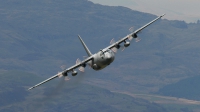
(186,88)
(64,96)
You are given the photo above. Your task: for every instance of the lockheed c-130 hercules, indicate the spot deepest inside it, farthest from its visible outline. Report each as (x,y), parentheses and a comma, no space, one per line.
(102,58)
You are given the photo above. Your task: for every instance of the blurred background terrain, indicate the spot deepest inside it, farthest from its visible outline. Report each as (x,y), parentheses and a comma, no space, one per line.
(159,73)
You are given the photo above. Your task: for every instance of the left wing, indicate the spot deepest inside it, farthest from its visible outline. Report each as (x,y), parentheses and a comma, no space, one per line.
(133,35)
(63,72)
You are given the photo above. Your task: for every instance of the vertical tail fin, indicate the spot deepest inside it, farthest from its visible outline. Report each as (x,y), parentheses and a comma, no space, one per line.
(85,47)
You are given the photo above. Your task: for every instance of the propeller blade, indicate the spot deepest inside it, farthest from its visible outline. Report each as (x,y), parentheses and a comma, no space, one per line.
(114,49)
(130,37)
(63,67)
(81,68)
(112,41)
(78,61)
(131,29)
(137,39)
(67,78)
(59,74)
(123,48)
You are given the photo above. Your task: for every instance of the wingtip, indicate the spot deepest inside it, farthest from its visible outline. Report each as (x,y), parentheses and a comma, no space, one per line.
(163,15)
(30,88)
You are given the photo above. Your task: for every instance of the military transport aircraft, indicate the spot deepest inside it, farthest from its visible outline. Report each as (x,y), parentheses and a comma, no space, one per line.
(102,58)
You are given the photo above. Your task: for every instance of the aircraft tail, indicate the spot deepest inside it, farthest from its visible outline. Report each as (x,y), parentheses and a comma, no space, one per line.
(85,47)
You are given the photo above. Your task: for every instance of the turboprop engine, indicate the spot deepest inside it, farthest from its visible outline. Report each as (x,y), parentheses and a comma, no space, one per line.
(74,73)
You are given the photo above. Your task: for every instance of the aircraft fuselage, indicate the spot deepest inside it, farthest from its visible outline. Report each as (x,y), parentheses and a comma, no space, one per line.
(102,59)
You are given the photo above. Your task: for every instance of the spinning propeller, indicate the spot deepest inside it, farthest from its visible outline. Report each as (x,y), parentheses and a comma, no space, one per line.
(126,43)
(114,49)
(82,67)
(61,74)
(137,39)
(117,47)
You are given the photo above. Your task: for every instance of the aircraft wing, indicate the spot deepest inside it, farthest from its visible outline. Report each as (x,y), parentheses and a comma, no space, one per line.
(134,34)
(63,72)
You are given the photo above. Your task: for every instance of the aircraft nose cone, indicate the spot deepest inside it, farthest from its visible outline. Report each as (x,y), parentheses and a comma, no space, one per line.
(109,58)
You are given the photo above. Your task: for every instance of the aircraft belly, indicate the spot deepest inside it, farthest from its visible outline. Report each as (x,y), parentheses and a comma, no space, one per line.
(100,65)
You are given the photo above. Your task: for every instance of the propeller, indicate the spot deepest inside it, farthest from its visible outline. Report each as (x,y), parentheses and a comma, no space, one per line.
(137,39)
(126,44)
(114,49)
(131,29)
(61,74)
(82,67)
(67,78)
(63,67)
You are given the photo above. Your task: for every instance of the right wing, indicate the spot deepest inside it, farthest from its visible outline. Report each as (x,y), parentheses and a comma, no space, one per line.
(134,34)
(63,72)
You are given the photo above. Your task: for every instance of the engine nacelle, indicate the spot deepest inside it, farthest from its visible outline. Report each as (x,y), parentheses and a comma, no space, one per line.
(64,74)
(126,44)
(134,35)
(83,65)
(95,66)
(74,73)
(118,46)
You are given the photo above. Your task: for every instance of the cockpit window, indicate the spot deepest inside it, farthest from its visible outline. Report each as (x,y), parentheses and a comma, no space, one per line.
(102,54)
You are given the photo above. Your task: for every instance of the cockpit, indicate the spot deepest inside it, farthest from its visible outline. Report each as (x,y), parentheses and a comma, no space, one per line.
(107,55)
(107,52)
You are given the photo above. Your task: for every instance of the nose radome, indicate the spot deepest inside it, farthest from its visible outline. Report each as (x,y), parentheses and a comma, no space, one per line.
(108,56)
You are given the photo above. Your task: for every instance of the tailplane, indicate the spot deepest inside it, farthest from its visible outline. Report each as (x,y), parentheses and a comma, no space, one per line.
(85,47)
